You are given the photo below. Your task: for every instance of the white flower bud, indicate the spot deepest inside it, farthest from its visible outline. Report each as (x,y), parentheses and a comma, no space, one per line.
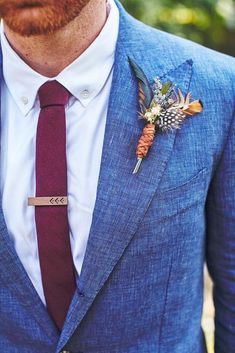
(156,110)
(148,115)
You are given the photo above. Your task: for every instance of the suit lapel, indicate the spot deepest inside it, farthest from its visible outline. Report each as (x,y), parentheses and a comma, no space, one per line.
(123,198)
(14,276)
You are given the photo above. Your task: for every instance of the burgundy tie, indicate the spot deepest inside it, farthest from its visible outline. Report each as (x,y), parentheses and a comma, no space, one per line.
(58,275)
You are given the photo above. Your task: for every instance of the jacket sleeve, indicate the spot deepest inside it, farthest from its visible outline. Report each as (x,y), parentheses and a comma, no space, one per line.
(220,249)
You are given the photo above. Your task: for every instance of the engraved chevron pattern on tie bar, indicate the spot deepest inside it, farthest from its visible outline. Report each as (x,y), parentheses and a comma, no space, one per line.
(48,201)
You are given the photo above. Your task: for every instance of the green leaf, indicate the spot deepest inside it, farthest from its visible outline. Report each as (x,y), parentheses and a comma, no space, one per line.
(166,87)
(145,85)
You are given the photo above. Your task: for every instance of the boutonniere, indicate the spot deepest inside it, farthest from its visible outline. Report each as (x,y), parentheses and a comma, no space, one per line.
(162,107)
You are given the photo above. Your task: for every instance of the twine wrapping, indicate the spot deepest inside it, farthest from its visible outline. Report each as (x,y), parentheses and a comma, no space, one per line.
(146,141)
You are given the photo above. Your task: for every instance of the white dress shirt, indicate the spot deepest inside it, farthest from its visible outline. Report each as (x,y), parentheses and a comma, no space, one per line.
(89,80)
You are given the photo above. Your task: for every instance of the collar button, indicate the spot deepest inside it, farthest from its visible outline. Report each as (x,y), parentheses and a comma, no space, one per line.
(85,94)
(24,100)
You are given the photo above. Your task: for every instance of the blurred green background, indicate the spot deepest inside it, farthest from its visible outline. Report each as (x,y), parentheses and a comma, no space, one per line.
(209,22)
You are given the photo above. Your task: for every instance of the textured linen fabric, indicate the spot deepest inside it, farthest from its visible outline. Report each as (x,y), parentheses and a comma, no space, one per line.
(141,284)
(89,80)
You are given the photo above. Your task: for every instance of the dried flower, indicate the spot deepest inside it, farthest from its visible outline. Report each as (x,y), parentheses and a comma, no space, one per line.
(162,107)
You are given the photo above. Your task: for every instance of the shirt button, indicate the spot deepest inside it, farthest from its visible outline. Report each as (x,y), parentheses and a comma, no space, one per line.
(24,100)
(85,94)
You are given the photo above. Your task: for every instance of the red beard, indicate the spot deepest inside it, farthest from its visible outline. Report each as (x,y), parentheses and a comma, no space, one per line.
(39,17)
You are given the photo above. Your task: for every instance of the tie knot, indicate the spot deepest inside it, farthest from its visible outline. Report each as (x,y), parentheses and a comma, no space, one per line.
(53,93)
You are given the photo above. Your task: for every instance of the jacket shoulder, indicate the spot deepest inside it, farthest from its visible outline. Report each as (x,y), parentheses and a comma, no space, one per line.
(216,67)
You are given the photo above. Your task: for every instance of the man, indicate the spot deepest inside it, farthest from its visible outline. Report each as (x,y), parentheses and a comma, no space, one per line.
(94,258)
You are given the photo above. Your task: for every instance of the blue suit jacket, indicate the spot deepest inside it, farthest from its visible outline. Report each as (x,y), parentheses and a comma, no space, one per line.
(141,285)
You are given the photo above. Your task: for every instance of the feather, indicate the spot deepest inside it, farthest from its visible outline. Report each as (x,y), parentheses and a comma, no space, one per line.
(187,99)
(170,119)
(182,99)
(194,108)
(145,91)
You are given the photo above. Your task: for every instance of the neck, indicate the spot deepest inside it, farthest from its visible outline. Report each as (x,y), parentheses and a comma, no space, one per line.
(50,54)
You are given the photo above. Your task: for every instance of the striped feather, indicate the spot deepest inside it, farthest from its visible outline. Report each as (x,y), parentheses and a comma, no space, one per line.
(145,91)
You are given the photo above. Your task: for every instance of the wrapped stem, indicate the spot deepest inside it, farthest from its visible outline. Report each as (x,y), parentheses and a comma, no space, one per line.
(145,142)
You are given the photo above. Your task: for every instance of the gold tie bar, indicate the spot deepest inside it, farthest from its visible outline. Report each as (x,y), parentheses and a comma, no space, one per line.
(48,201)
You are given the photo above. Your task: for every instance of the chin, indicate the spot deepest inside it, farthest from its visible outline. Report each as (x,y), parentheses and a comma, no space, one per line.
(41,19)
(35,22)
(25,22)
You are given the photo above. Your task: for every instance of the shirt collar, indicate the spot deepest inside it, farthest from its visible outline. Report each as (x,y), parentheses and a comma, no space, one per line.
(84,77)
